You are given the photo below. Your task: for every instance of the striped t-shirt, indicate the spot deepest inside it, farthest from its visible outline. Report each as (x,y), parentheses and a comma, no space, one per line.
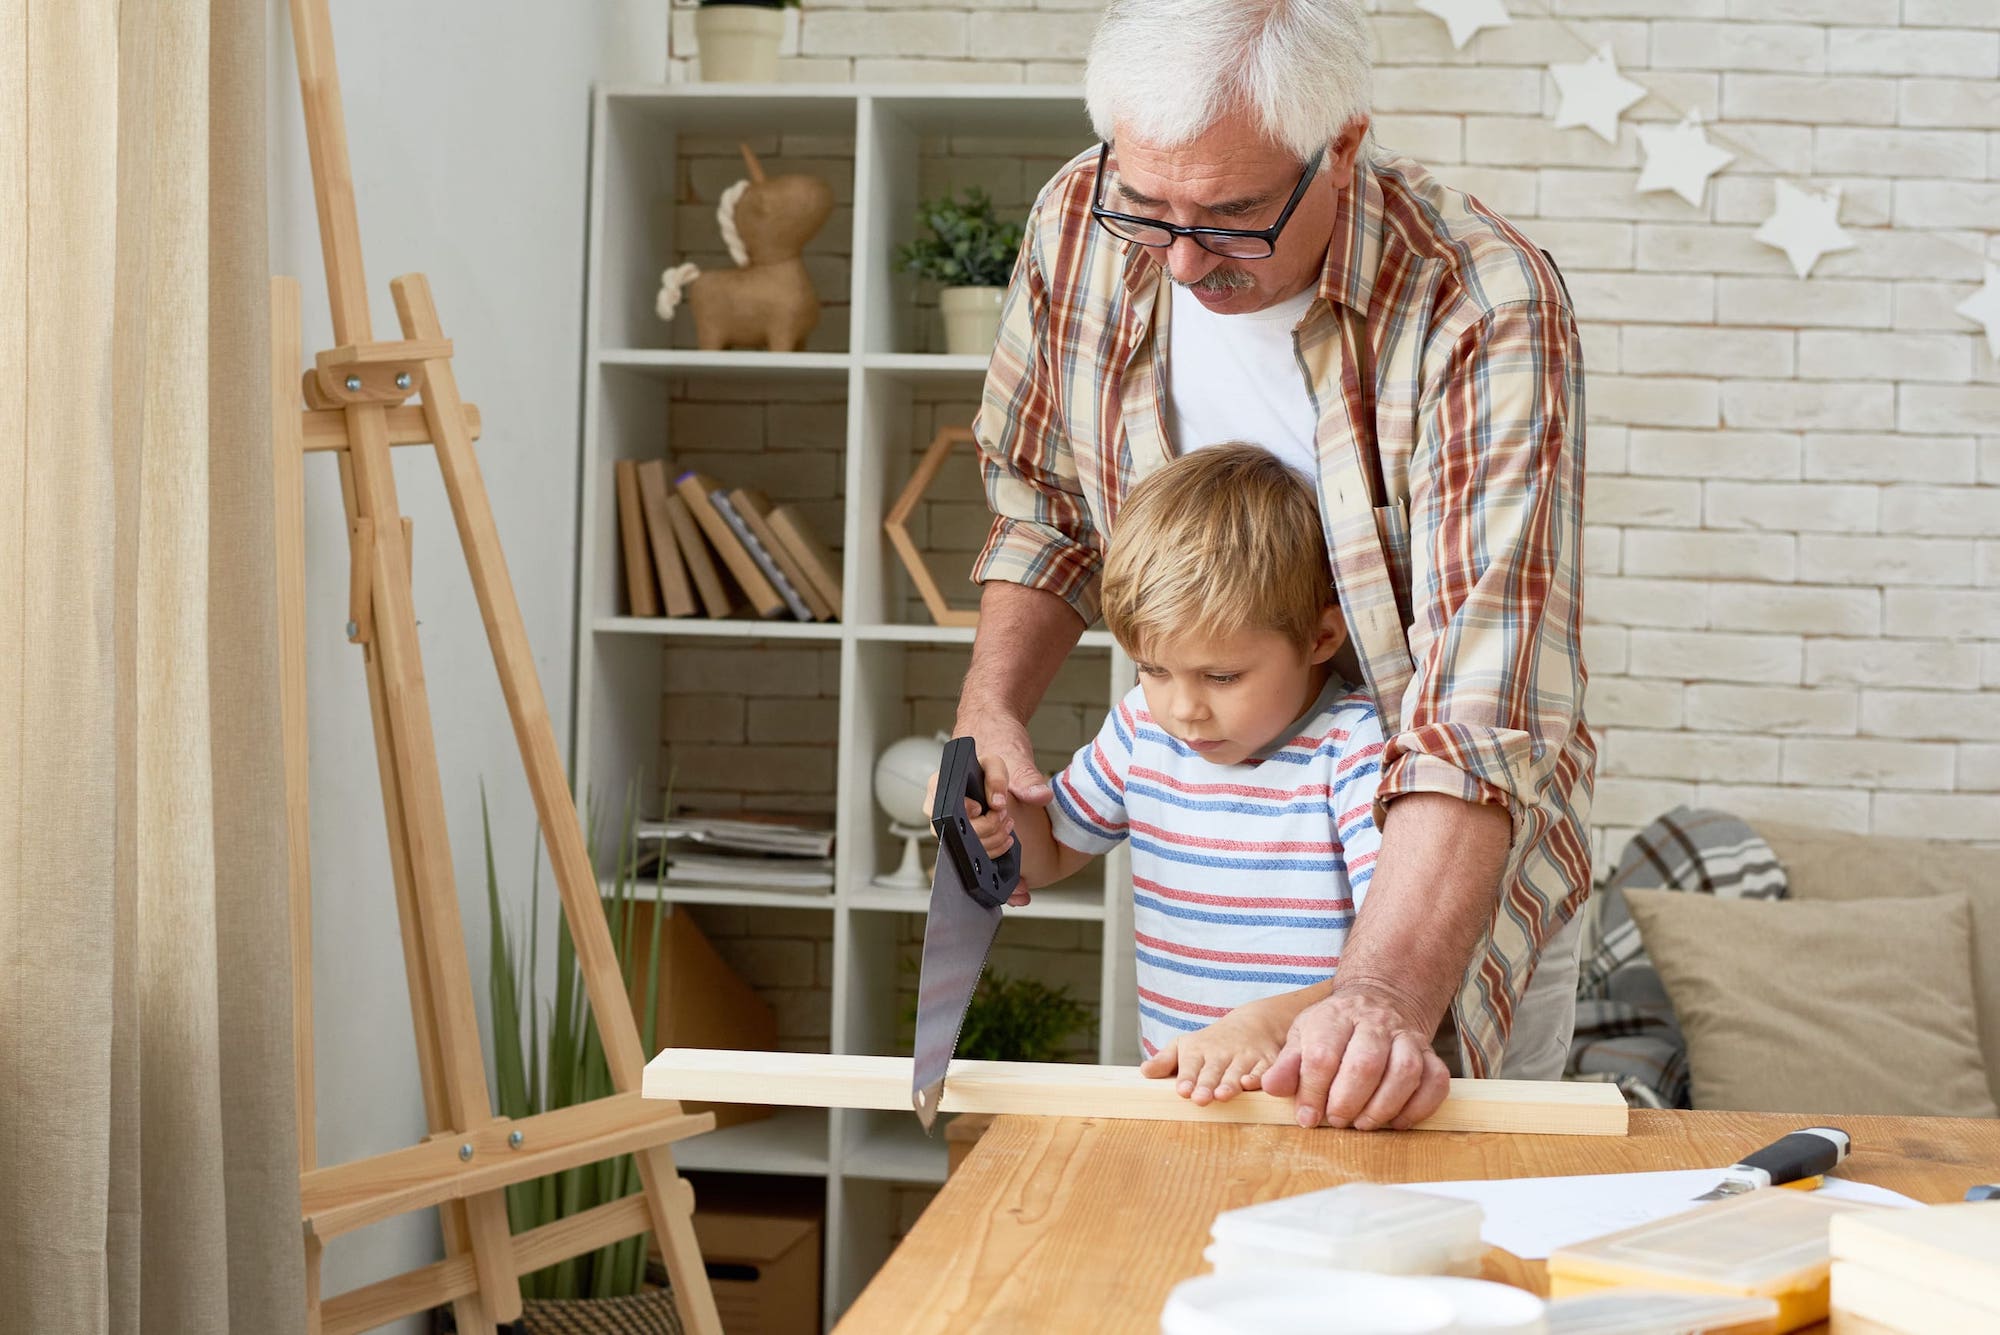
(1245,878)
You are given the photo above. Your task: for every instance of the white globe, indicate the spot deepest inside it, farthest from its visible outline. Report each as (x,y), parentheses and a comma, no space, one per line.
(902,773)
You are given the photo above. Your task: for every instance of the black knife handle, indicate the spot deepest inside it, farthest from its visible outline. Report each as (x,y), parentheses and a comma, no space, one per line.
(988,880)
(1802,1154)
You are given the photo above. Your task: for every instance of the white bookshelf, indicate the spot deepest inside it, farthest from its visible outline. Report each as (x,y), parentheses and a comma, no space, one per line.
(875,357)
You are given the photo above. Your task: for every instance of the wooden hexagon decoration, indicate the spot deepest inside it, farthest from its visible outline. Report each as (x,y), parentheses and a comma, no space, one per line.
(897,527)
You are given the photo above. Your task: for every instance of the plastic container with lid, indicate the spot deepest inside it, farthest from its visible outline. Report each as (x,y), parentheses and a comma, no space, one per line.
(1658,1312)
(1481,1307)
(1295,1300)
(1360,1226)
(1764,1244)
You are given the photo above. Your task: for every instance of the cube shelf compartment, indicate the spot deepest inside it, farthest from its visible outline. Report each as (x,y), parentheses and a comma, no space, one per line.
(835,429)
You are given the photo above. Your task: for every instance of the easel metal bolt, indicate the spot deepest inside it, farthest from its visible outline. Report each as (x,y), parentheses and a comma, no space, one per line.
(465,1154)
(403,380)
(515,1140)
(354,384)
(352,630)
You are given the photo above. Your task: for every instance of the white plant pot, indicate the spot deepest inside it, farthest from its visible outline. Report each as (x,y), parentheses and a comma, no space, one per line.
(738,43)
(971,319)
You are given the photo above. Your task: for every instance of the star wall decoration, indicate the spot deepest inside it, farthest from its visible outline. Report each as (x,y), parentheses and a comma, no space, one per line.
(1983,307)
(1466,17)
(1594,94)
(1805,226)
(1680,158)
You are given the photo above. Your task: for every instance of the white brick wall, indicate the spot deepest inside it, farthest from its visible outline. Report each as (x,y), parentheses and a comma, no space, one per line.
(1793,541)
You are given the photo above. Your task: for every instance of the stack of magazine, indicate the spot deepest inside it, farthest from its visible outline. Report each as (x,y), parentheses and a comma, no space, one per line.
(742,850)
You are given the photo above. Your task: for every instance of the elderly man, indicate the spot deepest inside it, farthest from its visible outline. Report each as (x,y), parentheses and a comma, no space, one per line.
(1236,261)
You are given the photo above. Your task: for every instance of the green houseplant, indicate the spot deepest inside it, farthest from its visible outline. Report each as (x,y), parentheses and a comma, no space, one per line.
(969,252)
(737,40)
(1019,1020)
(552,1058)
(1010,1019)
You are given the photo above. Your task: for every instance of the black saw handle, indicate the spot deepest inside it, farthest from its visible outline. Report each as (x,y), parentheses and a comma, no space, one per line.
(988,880)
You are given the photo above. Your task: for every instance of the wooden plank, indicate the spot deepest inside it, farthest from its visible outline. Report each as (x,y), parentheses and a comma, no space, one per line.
(392,353)
(326,428)
(288,488)
(548,782)
(416,972)
(462,1069)
(1088,1224)
(340,1199)
(333,175)
(418,1290)
(1057,1089)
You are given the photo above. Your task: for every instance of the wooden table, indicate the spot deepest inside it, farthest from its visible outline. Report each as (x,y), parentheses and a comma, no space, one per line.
(1075,1224)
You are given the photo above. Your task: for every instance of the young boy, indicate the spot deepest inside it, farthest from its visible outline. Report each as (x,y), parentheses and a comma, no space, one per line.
(1242,769)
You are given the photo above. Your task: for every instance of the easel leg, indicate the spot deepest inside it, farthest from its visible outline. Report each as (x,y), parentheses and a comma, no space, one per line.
(414,808)
(521,685)
(288,483)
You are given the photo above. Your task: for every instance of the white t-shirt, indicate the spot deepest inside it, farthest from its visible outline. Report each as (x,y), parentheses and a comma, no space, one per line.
(1237,377)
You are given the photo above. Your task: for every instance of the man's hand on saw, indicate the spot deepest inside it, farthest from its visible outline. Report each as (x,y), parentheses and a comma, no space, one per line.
(1007,763)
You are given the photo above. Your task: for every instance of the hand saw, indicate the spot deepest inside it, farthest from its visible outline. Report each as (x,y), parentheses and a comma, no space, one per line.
(967,890)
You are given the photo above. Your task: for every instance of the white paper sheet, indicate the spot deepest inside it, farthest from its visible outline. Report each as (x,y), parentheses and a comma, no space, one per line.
(1533,1216)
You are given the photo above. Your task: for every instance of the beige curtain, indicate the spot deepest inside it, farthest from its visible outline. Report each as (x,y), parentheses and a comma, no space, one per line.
(148,1177)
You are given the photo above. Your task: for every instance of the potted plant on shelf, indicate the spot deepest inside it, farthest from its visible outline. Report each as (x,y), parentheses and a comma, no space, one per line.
(738,39)
(970,252)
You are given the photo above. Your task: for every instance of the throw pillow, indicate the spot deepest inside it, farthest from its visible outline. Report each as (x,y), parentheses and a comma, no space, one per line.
(1826,865)
(1857,1007)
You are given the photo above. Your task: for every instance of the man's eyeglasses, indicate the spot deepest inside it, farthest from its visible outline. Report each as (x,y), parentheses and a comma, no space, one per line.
(1236,243)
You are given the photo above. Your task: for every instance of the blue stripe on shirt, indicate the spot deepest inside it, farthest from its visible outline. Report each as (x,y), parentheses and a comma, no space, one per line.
(1237,918)
(1214,974)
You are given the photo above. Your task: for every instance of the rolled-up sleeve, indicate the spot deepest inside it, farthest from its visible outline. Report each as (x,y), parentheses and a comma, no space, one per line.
(1495,528)
(1043,535)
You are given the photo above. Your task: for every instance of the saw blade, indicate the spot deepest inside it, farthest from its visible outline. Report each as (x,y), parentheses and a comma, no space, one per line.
(958,933)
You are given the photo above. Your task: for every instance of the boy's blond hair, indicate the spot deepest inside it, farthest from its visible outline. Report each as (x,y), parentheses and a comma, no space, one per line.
(1221,540)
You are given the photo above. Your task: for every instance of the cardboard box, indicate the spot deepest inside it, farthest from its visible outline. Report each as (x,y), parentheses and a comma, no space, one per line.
(702,1003)
(763,1268)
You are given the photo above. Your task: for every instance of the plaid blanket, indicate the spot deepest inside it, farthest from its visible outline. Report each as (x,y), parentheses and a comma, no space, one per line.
(1626,1033)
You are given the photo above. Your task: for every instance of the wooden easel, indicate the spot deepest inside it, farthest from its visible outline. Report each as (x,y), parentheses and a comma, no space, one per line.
(357,406)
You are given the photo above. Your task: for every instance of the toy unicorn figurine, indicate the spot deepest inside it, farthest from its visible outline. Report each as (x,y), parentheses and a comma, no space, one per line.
(767,301)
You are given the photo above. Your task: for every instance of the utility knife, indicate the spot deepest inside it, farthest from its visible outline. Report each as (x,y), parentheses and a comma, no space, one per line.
(1801,1157)
(967,890)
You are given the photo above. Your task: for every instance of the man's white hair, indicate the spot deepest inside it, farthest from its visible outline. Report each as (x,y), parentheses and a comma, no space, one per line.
(1163,71)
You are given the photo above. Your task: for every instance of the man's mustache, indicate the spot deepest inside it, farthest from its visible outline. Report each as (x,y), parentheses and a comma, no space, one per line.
(1220,280)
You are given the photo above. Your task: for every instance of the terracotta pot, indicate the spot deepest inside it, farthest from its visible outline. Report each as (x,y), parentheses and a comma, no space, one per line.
(971,319)
(738,43)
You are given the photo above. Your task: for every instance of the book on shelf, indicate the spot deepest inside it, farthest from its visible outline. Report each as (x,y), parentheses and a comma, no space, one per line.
(749,871)
(820,566)
(676,591)
(745,833)
(715,597)
(697,488)
(642,598)
(755,510)
(766,563)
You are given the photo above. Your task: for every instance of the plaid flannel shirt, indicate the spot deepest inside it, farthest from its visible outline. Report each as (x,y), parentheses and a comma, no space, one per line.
(1444,362)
